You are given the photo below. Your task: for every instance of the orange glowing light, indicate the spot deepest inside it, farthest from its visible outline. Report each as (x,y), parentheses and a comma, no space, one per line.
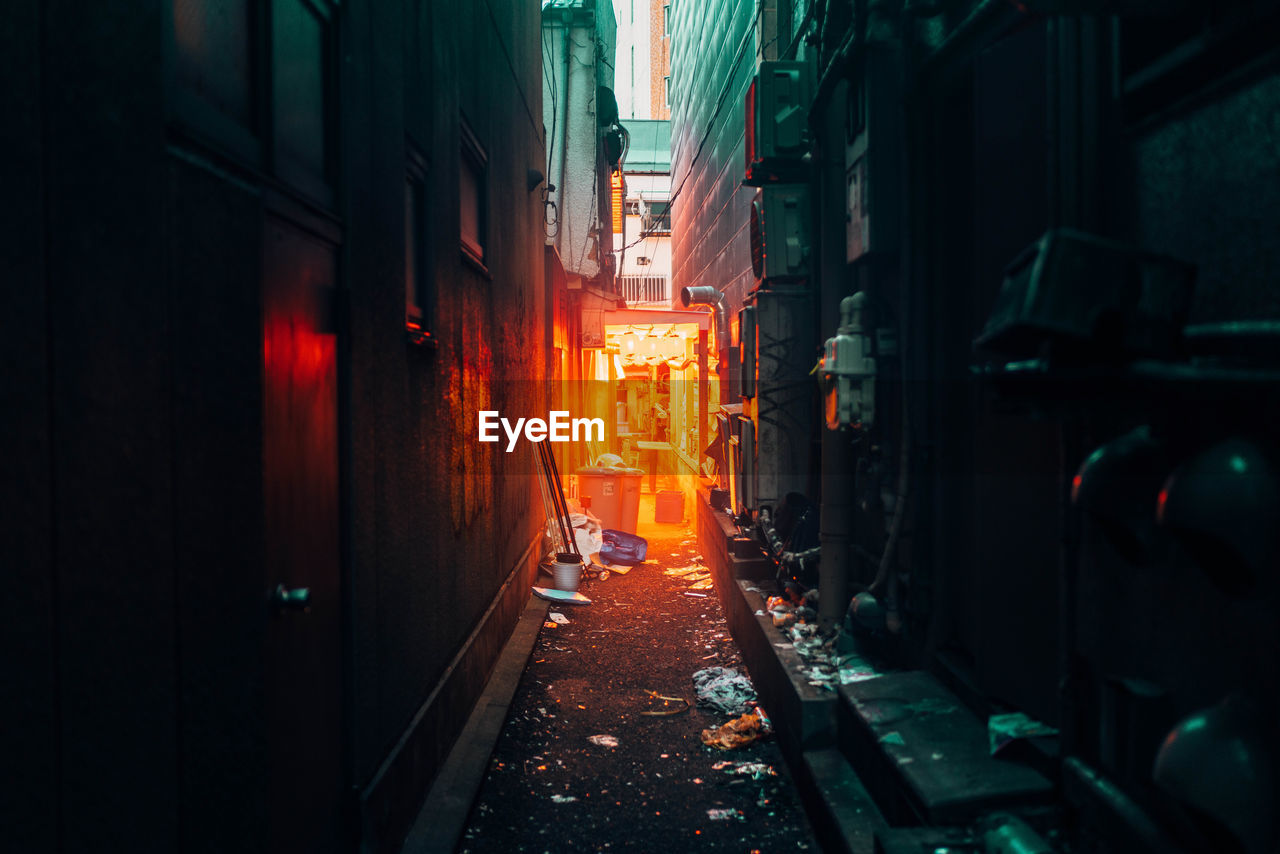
(615,187)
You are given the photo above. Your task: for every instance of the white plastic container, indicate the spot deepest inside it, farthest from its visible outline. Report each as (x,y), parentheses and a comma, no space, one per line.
(567,571)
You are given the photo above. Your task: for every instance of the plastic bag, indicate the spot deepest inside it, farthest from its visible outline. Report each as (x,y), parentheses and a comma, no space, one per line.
(622,549)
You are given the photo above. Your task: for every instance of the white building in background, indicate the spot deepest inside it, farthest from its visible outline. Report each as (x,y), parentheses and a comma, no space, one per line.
(644,270)
(643,69)
(642,238)
(578,108)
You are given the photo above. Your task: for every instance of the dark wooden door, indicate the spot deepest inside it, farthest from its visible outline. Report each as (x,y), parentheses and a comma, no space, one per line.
(300,482)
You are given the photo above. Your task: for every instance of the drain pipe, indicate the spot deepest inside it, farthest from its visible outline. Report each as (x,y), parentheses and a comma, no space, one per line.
(707,295)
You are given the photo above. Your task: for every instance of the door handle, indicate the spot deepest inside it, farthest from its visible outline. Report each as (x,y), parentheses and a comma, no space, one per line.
(297,599)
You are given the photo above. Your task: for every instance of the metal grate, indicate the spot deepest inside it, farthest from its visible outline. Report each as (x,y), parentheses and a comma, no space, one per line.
(644,288)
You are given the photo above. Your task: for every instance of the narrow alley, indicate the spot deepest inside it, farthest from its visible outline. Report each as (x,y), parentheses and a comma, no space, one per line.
(911,369)
(592,760)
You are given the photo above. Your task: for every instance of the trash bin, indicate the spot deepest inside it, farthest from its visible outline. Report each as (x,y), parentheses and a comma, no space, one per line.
(612,494)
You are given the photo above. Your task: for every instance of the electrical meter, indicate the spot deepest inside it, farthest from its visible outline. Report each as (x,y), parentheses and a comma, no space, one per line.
(848,370)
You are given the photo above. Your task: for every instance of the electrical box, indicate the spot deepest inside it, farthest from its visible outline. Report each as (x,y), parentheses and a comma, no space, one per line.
(1100,297)
(781,233)
(777,122)
(873,154)
(848,370)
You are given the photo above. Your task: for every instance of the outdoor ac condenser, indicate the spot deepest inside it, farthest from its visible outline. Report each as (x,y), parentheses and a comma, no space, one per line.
(777,122)
(780,230)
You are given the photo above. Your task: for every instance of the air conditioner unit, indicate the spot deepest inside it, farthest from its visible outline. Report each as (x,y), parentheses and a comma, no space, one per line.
(777,123)
(780,233)
(1098,298)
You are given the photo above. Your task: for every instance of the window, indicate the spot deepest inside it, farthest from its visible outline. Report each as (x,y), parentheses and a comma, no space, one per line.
(213,58)
(666,92)
(300,54)
(419,295)
(213,54)
(473,197)
(666,19)
(657,217)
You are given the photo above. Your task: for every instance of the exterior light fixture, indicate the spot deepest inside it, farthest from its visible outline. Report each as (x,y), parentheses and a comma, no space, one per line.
(671,347)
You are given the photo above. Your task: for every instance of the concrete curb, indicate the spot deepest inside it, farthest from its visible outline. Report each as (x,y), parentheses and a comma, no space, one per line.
(443,816)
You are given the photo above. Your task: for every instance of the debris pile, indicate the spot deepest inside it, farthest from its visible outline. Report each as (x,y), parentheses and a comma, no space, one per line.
(738,732)
(698,576)
(724,690)
(757,771)
(826,663)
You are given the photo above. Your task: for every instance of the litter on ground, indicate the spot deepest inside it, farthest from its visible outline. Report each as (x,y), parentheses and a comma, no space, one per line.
(724,690)
(562,597)
(667,709)
(738,732)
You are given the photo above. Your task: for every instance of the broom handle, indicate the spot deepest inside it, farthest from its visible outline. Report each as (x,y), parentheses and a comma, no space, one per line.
(558,492)
(557,498)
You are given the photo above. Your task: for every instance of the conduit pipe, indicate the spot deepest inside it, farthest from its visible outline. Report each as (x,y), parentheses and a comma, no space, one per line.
(707,295)
(793,562)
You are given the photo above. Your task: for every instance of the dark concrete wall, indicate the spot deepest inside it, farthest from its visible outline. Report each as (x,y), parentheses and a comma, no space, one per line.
(1014,128)
(439,520)
(1201,188)
(28,614)
(1013,124)
(1204,192)
(135,242)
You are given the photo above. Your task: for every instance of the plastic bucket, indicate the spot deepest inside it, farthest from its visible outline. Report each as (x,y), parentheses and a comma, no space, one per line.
(567,571)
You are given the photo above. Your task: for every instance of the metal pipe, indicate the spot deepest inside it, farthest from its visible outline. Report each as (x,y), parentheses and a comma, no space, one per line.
(562,167)
(836,516)
(835,528)
(707,295)
(793,562)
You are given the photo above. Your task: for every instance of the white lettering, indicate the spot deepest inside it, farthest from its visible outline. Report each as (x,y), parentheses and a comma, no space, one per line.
(535,430)
(558,427)
(512,435)
(559,424)
(488,423)
(587,424)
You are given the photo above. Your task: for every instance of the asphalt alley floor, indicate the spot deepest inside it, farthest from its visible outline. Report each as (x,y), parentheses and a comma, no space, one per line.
(550,788)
